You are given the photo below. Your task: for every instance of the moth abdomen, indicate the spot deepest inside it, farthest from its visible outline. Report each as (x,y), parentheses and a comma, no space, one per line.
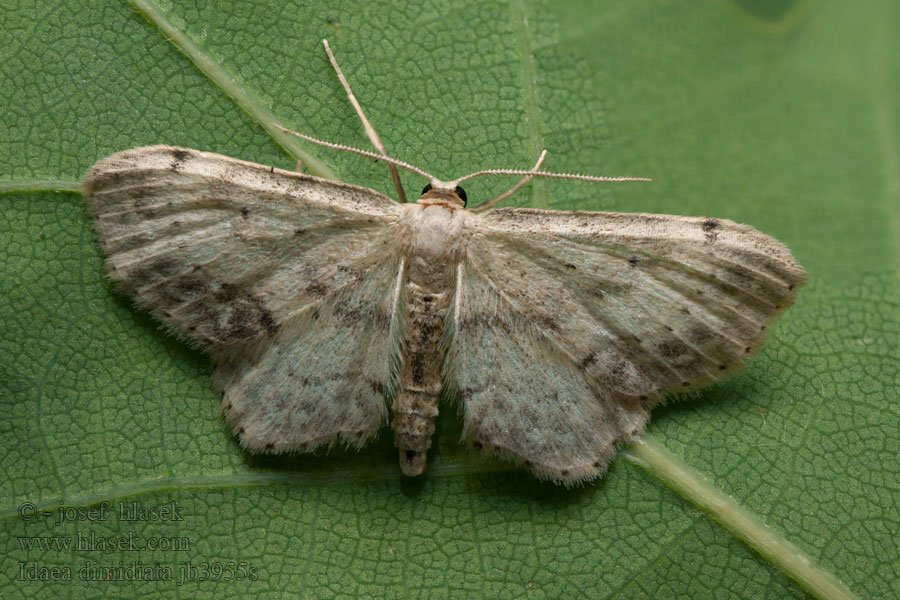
(415,407)
(415,413)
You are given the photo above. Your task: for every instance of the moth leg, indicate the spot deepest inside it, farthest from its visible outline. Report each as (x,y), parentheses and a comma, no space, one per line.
(370,131)
(299,167)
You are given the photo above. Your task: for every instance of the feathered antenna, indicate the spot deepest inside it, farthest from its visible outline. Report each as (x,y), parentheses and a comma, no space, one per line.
(527,175)
(383,157)
(536,173)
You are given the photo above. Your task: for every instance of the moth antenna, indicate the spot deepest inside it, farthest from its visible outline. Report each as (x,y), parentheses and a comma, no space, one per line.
(370,130)
(344,148)
(549,175)
(494,201)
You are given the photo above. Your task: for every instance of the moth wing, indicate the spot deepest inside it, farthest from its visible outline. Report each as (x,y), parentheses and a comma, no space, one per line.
(570,325)
(238,258)
(523,397)
(325,376)
(225,251)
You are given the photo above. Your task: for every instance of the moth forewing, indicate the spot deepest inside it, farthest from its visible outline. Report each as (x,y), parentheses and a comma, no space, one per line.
(287,279)
(609,309)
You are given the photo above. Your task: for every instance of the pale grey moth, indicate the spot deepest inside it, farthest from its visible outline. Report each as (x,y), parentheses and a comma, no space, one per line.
(326,305)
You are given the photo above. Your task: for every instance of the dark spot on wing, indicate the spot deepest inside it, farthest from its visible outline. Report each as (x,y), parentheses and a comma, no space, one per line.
(588,359)
(739,275)
(617,376)
(179,156)
(632,261)
(299,231)
(245,212)
(191,286)
(267,322)
(547,323)
(699,333)
(230,315)
(227,292)
(671,349)
(317,288)
(710,226)
(155,269)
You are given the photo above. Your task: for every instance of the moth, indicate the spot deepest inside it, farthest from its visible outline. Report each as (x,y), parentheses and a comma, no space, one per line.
(326,305)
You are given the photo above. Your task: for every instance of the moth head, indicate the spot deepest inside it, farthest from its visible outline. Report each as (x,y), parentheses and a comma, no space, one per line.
(439,192)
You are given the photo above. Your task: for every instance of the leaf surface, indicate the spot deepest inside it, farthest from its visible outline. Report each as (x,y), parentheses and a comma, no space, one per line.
(783,115)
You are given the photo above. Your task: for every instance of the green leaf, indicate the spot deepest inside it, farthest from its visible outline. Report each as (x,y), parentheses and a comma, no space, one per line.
(779,114)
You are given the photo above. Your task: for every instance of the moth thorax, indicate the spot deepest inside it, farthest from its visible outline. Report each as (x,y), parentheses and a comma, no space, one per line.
(434,242)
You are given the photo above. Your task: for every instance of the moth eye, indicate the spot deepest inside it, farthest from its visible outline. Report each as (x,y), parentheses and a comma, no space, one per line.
(426,189)
(462,194)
